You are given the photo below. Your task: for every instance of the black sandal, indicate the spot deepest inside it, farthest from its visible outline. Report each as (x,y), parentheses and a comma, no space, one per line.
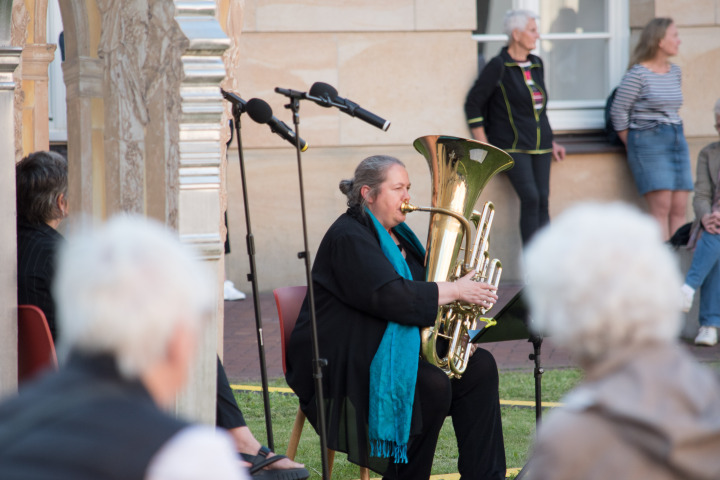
(260,461)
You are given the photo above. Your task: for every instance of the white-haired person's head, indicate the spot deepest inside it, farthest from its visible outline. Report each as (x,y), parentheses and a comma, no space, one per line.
(600,278)
(517,20)
(125,289)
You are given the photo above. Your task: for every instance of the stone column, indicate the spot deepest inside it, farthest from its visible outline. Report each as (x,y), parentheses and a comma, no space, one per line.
(143,136)
(9,60)
(199,216)
(31,99)
(83,82)
(35,61)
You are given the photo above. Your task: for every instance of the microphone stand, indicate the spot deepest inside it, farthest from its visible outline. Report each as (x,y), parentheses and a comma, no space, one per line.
(318,362)
(238,110)
(538,371)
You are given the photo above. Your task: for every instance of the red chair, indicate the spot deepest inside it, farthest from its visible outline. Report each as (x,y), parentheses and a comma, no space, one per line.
(36,348)
(289,301)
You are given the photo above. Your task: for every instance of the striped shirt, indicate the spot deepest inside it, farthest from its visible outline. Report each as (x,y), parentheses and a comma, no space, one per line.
(645,99)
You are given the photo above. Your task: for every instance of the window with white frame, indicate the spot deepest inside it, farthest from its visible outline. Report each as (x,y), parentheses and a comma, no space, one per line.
(56,84)
(584,47)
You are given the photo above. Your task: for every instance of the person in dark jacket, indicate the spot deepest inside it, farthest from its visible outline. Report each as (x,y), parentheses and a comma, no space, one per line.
(131,304)
(506,107)
(370,292)
(41,182)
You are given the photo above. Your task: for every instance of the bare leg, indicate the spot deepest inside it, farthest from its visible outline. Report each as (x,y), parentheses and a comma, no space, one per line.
(678,210)
(659,203)
(245,442)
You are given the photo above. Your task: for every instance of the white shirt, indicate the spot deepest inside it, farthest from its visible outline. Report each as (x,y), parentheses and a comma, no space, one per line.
(197,452)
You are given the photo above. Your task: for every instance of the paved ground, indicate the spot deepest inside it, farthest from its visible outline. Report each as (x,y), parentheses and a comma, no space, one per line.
(241,346)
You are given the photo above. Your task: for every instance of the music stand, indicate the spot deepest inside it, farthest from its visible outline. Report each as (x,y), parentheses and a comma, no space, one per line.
(512,324)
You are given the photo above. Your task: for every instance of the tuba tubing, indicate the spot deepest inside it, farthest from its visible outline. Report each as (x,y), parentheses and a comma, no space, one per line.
(407,208)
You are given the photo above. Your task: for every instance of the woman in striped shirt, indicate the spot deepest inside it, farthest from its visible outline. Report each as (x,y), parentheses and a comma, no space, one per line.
(645,115)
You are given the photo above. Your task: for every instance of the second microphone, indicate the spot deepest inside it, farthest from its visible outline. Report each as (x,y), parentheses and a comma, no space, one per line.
(261,112)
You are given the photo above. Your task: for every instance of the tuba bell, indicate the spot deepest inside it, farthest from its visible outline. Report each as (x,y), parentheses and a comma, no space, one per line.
(460,169)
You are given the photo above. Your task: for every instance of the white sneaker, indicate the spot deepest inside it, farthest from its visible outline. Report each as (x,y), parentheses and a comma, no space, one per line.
(707,336)
(232,293)
(688,293)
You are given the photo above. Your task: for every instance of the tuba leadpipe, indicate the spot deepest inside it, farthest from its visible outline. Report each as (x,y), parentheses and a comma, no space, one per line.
(460,170)
(407,208)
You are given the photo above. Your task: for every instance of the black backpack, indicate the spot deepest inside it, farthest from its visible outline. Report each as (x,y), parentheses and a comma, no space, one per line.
(610,134)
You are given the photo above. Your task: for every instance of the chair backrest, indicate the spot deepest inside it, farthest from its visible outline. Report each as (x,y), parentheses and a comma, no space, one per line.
(36,349)
(289,301)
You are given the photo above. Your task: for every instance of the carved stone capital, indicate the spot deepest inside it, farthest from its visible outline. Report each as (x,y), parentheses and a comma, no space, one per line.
(35,60)
(83,77)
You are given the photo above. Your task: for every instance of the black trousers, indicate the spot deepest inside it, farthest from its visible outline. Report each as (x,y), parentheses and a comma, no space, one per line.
(530,178)
(473,402)
(227,414)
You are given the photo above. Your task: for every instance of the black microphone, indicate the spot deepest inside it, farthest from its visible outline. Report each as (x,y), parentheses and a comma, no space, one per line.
(234,99)
(328,93)
(294,94)
(290,93)
(260,111)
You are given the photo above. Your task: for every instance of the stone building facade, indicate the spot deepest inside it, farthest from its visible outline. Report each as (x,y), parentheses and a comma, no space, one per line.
(147,126)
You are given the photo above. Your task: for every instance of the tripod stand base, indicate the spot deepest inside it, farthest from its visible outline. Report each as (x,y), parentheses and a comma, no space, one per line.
(536,340)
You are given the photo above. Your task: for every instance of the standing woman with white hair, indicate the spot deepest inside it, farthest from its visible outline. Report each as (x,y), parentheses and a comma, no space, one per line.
(604,286)
(645,114)
(506,107)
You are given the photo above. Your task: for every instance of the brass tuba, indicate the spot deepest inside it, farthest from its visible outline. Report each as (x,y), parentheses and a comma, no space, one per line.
(460,169)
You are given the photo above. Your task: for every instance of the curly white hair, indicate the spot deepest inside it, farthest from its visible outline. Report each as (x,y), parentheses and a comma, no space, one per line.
(601,278)
(124,288)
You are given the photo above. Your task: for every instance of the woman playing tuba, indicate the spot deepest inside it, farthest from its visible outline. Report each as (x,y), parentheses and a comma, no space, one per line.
(384,405)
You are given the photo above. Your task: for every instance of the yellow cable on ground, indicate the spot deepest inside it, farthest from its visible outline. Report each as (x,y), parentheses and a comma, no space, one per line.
(285,390)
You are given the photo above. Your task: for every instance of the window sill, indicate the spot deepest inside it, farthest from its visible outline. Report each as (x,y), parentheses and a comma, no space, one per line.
(587,142)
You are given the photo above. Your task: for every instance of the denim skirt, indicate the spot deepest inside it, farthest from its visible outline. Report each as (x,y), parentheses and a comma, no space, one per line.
(659,158)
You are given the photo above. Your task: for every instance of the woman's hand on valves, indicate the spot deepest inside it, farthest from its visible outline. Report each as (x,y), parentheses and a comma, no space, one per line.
(479,293)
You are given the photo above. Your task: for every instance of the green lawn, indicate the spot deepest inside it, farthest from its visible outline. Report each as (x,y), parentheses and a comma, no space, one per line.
(518,422)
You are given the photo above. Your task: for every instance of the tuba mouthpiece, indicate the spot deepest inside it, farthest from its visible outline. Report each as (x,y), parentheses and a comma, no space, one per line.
(407,208)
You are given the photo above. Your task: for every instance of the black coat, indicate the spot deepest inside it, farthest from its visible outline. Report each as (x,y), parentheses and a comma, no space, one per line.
(501,102)
(357,291)
(37,247)
(84,422)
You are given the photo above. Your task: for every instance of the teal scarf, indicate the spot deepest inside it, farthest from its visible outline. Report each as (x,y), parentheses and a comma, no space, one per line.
(393,371)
